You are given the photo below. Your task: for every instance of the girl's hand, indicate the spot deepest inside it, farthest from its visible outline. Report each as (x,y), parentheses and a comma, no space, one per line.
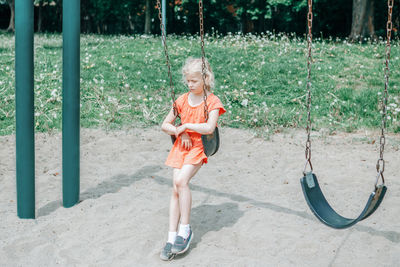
(179,130)
(186,141)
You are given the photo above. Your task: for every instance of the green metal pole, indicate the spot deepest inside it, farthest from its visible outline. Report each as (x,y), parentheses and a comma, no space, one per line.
(24,109)
(71,105)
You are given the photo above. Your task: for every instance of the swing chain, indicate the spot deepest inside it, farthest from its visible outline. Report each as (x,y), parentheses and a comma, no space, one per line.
(309,63)
(164,41)
(203,56)
(380,165)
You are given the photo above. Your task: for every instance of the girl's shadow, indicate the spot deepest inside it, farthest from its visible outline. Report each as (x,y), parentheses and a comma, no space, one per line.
(208,218)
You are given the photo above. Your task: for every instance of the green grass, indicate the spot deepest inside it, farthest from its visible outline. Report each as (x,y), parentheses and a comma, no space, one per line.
(260,80)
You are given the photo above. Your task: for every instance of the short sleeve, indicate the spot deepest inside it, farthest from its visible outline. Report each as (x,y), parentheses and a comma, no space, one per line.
(179,103)
(215,103)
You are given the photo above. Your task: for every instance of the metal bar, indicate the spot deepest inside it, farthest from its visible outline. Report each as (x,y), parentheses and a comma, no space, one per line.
(164,15)
(71,102)
(24,109)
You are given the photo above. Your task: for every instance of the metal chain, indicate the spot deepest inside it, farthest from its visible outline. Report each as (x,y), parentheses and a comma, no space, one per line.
(309,63)
(203,58)
(380,165)
(164,40)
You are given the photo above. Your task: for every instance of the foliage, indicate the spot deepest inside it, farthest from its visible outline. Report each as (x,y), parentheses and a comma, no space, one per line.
(331,18)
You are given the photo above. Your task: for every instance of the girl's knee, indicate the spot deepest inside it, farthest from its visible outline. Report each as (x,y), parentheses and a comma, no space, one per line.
(179,184)
(175,191)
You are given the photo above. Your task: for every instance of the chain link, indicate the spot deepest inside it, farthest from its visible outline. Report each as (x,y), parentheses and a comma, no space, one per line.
(203,58)
(164,41)
(380,164)
(309,64)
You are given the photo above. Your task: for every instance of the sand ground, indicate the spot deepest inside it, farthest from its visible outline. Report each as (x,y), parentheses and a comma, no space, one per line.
(248,207)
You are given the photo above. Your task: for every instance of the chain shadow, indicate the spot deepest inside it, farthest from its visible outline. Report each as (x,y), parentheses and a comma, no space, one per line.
(113,185)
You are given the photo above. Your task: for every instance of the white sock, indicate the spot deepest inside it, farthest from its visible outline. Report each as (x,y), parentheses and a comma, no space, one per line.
(184,230)
(171,237)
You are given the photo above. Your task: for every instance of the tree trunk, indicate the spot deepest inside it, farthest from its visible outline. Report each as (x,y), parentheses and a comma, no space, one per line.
(11,25)
(363,20)
(171,18)
(40,17)
(147,25)
(131,24)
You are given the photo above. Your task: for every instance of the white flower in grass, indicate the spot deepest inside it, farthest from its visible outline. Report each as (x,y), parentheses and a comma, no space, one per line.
(130,99)
(300,82)
(101,114)
(244,102)
(127,85)
(145,86)
(107,112)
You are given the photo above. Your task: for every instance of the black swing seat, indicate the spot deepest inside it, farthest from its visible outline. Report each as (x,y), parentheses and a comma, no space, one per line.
(324,212)
(210,142)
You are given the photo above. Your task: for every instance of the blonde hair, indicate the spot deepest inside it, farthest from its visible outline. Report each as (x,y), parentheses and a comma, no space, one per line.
(194,66)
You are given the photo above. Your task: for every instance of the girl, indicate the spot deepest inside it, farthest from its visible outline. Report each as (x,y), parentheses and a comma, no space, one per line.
(187,154)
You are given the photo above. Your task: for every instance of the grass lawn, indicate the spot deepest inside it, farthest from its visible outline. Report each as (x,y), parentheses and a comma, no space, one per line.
(260,79)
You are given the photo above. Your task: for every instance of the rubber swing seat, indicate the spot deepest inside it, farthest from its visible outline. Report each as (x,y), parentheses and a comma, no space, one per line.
(325,213)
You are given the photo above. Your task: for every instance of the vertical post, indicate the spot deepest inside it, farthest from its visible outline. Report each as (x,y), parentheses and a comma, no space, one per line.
(164,15)
(71,102)
(24,109)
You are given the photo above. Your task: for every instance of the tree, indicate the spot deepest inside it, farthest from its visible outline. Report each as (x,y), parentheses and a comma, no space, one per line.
(40,4)
(363,19)
(147,24)
(11,25)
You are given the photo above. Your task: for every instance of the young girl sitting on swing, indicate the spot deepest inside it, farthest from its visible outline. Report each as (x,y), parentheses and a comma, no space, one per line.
(187,154)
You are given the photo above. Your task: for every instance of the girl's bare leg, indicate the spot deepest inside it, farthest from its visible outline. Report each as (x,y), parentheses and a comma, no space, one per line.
(182,191)
(174,211)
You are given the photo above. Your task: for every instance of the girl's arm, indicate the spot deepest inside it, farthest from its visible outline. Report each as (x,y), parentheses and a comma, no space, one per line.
(167,125)
(201,128)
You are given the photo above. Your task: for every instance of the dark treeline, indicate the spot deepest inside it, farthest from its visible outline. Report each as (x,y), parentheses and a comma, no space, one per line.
(331,18)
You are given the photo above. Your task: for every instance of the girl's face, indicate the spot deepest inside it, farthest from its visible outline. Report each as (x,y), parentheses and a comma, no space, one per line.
(195,83)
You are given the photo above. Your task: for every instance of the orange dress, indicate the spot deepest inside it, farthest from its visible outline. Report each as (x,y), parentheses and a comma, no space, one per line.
(179,156)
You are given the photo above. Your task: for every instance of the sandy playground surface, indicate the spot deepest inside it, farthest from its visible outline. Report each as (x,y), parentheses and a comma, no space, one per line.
(248,207)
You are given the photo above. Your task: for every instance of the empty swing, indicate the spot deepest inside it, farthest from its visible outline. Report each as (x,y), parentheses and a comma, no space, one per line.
(210,141)
(309,183)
